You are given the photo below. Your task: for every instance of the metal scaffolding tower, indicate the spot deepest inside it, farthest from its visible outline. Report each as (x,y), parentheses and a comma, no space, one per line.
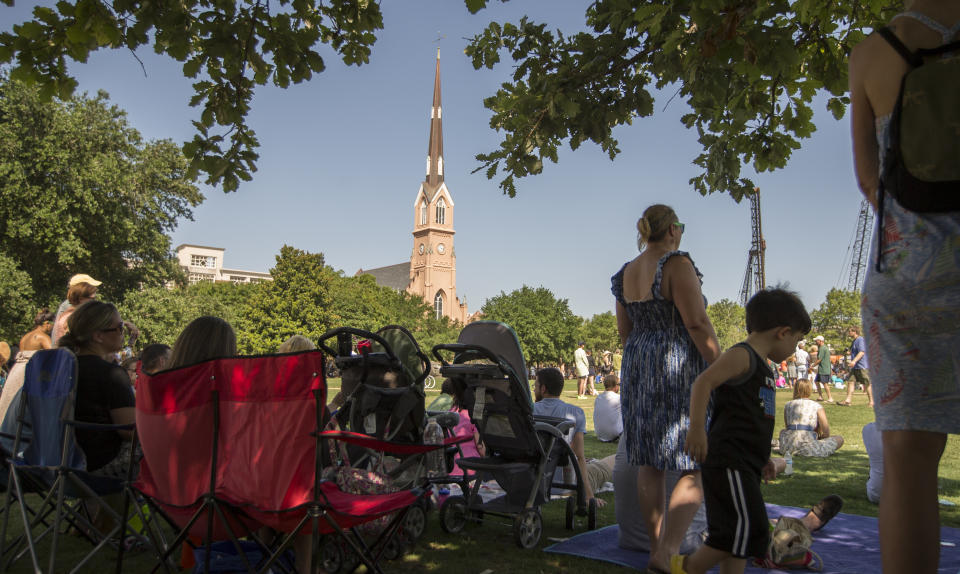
(860,251)
(755,277)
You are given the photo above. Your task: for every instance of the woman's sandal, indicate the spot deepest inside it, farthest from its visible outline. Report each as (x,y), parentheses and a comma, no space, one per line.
(843,404)
(828,507)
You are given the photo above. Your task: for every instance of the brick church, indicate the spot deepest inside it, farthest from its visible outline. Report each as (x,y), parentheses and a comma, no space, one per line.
(431,272)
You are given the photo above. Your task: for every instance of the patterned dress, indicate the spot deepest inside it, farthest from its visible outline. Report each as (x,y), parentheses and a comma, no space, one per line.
(800,436)
(911,311)
(660,363)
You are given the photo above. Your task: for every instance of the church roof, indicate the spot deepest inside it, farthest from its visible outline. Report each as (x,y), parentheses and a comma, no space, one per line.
(392,276)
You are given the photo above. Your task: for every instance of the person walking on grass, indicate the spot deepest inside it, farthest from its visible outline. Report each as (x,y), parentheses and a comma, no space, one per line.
(736,453)
(858,367)
(821,366)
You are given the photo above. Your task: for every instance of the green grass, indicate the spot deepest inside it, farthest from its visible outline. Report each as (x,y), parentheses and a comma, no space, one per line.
(490,545)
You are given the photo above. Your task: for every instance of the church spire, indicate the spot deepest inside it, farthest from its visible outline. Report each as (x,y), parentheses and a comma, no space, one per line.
(435,147)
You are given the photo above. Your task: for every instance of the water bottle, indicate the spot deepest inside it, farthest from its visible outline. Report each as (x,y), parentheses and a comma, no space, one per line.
(788,458)
(436,466)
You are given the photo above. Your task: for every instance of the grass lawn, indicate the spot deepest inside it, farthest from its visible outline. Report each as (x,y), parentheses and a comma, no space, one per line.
(490,546)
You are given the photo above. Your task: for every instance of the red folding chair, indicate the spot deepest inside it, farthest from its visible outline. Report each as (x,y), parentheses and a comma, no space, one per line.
(233,444)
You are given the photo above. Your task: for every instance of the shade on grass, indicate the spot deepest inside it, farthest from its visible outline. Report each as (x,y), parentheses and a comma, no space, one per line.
(490,545)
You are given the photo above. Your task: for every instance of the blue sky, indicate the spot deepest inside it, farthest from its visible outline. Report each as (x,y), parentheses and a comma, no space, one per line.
(342,158)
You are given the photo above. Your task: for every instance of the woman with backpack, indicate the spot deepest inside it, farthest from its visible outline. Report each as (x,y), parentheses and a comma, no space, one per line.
(911,297)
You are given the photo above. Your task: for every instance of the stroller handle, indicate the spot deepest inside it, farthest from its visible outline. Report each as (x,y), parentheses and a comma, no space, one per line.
(480,352)
(336,353)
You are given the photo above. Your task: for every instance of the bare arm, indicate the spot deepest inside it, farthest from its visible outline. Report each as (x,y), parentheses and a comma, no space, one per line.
(732,364)
(624,324)
(862,125)
(683,288)
(124,416)
(823,426)
(577,446)
(856,359)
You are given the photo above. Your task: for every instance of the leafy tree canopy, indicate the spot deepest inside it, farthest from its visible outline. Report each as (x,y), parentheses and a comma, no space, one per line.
(839,312)
(545,325)
(161,313)
(748,70)
(297,301)
(229,48)
(729,320)
(600,334)
(308,297)
(18,308)
(81,192)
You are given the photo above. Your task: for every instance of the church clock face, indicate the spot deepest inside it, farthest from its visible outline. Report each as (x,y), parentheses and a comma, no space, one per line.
(421,249)
(440,248)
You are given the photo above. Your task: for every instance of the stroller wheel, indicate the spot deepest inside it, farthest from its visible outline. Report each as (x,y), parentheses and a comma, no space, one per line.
(592,511)
(394,549)
(414,523)
(453,514)
(331,555)
(527,527)
(571,512)
(350,560)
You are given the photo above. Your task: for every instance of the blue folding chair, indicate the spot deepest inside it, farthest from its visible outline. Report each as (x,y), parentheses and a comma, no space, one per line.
(53,465)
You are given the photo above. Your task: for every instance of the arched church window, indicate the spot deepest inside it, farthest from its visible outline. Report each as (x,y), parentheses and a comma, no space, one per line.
(441,212)
(423,213)
(438,304)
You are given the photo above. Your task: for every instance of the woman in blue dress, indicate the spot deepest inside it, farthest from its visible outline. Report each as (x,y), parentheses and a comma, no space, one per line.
(667,341)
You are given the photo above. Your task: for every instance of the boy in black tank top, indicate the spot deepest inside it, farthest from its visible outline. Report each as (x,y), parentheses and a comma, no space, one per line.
(736,453)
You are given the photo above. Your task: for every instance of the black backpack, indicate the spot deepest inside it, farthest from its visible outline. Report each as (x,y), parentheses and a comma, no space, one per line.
(921,168)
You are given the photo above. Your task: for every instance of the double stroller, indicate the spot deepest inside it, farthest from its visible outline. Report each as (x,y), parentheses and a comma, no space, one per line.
(523,450)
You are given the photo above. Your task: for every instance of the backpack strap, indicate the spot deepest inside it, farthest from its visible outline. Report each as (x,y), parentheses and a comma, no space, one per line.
(914,60)
(939,50)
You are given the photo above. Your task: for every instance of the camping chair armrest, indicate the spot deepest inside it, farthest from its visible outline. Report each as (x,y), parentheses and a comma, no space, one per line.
(373,443)
(101,427)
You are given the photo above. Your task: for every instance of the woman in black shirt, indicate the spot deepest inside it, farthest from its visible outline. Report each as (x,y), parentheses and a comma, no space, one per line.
(104,394)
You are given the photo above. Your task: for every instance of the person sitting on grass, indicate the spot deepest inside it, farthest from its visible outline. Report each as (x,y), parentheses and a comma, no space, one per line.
(607,421)
(737,452)
(873,444)
(807,431)
(547,389)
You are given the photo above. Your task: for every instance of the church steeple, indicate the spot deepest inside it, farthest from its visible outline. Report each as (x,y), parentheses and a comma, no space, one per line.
(435,147)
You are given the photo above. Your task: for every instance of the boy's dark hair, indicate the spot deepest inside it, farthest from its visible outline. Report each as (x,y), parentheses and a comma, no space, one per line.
(552,379)
(152,357)
(777,307)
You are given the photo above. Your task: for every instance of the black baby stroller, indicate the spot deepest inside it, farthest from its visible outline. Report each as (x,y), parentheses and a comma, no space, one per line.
(523,450)
(381,391)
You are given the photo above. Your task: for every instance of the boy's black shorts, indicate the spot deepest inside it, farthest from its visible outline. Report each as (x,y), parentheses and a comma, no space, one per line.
(736,515)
